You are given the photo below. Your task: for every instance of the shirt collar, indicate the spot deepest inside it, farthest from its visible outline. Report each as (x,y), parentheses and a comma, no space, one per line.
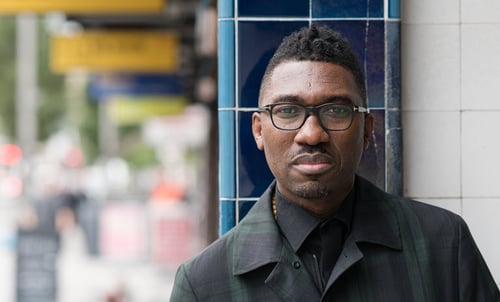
(297,224)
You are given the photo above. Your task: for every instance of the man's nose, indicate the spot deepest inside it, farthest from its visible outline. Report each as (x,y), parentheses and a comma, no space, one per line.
(312,133)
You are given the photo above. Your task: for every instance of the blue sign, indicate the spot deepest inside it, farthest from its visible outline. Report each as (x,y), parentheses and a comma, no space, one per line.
(103,86)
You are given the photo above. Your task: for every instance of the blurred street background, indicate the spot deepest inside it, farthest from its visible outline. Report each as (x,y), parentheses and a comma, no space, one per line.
(108,146)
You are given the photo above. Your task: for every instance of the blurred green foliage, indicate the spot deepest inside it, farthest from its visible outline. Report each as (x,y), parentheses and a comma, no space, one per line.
(53,105)
(7,75)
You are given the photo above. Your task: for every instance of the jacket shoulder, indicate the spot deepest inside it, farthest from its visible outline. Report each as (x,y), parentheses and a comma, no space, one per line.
(416,217)
(196,279)
(433,224)
(213,259)
(420,214)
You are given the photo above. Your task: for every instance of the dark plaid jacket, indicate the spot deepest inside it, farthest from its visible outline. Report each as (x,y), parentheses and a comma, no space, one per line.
(398,250)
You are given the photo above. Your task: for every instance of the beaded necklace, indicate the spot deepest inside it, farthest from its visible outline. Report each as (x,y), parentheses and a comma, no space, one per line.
(275,211)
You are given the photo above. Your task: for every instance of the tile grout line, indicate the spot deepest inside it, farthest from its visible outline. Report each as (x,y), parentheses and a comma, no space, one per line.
(461,107)
(236,115)
(386,92)
(308,18)
(386,10)
(310,13)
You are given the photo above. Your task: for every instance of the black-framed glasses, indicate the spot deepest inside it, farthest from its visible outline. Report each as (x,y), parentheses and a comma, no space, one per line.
(331,116)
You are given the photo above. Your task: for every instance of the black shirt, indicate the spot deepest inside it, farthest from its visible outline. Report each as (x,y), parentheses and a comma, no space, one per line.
(317,242)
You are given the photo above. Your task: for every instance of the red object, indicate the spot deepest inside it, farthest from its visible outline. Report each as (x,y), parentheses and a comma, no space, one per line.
(74,157)
(10,155)
(123,231)
(172,234)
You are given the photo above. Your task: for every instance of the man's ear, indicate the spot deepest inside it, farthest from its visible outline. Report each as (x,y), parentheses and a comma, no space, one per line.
(257,130)
(368,136)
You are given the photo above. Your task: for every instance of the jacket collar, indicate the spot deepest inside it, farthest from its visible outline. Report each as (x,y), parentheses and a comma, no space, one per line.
(375,220)
(259,241)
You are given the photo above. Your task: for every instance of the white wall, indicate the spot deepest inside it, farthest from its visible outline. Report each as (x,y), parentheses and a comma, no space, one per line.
(451,112)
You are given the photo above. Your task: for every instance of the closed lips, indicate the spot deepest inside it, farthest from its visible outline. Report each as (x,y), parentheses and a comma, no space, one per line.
(313,164)
(312,159)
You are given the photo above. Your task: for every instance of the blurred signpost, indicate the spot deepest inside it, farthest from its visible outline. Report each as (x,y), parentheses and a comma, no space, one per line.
(125,110)
(36,266)
(79,6)
(132,51)
(105,85)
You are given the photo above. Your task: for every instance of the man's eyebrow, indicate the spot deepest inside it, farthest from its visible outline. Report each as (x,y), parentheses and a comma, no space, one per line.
(286,99)
(290,98)
(339,99)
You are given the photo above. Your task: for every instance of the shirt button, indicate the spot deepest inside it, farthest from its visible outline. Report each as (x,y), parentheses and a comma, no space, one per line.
(296,264)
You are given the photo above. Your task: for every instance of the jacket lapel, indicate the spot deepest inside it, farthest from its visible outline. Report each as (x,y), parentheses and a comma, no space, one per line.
(259,242)
(349,256)
(374,221)
(290,279)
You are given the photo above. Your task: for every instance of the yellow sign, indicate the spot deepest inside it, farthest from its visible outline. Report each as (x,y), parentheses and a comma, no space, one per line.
(82,6)
(135,51)
(125,110)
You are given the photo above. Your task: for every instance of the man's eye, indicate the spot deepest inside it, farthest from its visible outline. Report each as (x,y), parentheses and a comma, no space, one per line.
(287,111)
(337,111)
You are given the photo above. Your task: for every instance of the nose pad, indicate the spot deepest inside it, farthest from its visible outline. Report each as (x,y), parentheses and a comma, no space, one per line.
(312,132)
(314,118)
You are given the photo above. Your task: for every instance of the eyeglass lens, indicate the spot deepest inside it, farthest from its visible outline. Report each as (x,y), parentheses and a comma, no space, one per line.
(293,116)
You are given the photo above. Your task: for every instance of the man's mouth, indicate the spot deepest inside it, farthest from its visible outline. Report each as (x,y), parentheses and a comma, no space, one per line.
(313,164)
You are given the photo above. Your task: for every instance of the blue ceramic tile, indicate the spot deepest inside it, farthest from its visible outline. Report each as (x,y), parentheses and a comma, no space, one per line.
(243,207)
(226,61)
(393,119)
(394,183)
(372,166)
(394,167)
(394,9)
(393,64)
(275,8)
(254,176)
(227,220)
(394,161)
(227,151)
(348,9)
(369,46)
(257,42)
(225,8)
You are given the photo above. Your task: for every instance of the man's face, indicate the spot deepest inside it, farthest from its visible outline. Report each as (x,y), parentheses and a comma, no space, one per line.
(311,163)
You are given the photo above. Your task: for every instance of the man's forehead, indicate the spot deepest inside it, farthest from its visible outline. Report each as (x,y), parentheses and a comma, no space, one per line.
(293,69)
(290,74)
(300,78)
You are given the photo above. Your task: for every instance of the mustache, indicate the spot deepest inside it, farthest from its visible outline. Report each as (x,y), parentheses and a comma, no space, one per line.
(307,149)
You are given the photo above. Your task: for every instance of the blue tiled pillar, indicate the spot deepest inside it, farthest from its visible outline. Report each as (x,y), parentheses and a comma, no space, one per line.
(249,32)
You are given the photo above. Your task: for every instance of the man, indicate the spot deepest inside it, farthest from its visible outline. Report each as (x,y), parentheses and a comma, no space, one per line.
(320,232)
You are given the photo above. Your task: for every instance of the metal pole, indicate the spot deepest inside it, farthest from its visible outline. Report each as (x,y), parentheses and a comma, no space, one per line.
(26,85)
(108,132)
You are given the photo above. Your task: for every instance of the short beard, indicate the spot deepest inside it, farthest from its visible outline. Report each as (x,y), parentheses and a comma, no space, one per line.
(312,190)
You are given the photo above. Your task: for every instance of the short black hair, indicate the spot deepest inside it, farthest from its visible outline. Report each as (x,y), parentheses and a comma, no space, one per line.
(321,44)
